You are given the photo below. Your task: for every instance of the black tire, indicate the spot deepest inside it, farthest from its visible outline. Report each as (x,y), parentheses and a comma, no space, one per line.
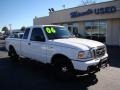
(63,69)
(13,55)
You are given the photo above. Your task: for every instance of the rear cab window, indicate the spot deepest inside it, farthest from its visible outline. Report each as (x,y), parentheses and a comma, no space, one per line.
(25,36)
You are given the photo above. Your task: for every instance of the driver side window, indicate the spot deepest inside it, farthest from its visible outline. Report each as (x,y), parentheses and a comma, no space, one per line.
(37,35)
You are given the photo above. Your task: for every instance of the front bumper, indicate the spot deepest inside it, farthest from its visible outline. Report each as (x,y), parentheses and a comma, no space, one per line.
(91,66)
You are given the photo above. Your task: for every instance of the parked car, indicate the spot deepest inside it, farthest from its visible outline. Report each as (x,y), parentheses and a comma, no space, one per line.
(54,45)
(16,35)
(1,37)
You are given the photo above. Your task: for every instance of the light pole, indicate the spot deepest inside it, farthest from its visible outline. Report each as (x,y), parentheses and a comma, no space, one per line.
(10,26)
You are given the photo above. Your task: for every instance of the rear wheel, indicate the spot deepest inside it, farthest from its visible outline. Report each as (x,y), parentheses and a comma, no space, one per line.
(12,53)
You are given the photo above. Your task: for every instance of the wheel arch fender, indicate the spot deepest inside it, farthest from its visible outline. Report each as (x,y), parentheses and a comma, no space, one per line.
(58,57)
(9,48)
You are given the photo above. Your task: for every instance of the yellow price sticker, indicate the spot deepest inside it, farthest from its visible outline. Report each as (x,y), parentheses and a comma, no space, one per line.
(53,30)
(50,30)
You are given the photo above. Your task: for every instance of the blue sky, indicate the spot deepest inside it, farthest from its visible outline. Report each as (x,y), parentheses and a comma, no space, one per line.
(21,12)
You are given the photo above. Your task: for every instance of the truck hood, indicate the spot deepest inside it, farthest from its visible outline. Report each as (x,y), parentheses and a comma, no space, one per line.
(77,43)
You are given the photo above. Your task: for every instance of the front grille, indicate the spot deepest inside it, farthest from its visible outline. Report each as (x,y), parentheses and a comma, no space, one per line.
(99,52)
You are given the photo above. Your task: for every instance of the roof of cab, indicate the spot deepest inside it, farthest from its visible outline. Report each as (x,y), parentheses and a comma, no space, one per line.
(46,25)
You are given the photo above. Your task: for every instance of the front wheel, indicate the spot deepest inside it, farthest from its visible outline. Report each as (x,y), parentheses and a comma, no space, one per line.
(64,70)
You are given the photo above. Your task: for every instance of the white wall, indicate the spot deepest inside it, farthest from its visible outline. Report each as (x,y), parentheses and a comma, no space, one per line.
(113,32)
(64,16)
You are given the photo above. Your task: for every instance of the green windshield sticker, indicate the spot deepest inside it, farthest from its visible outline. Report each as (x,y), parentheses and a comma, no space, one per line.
(50,30)
(53,30)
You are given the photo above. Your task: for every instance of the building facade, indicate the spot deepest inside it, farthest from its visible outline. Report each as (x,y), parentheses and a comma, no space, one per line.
(99,21)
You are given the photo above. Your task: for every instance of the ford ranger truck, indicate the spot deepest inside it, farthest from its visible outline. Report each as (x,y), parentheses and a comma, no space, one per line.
(54,45)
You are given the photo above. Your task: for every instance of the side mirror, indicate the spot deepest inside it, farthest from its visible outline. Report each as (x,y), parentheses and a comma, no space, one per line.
(40,38)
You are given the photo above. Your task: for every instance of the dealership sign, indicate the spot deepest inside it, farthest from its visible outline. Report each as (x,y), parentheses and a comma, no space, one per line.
(97,11)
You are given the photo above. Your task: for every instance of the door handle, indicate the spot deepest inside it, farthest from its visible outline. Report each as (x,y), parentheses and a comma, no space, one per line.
(29,43)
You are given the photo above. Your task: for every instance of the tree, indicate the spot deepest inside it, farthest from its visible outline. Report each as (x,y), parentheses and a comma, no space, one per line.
(87,2)
(6,30)
(23,28)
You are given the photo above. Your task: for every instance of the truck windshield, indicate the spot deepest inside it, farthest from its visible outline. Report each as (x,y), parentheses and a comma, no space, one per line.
(55,32)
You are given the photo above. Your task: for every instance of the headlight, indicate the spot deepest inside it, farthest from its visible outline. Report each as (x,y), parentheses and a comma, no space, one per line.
(84,55)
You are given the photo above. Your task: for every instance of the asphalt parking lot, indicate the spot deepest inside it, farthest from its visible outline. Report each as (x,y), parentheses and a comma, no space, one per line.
(30,75)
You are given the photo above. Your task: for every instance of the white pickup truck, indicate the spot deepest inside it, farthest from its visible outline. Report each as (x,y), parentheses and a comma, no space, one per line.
(53,44)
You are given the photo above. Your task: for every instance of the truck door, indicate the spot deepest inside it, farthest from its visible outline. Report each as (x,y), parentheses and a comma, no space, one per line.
(37,45)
